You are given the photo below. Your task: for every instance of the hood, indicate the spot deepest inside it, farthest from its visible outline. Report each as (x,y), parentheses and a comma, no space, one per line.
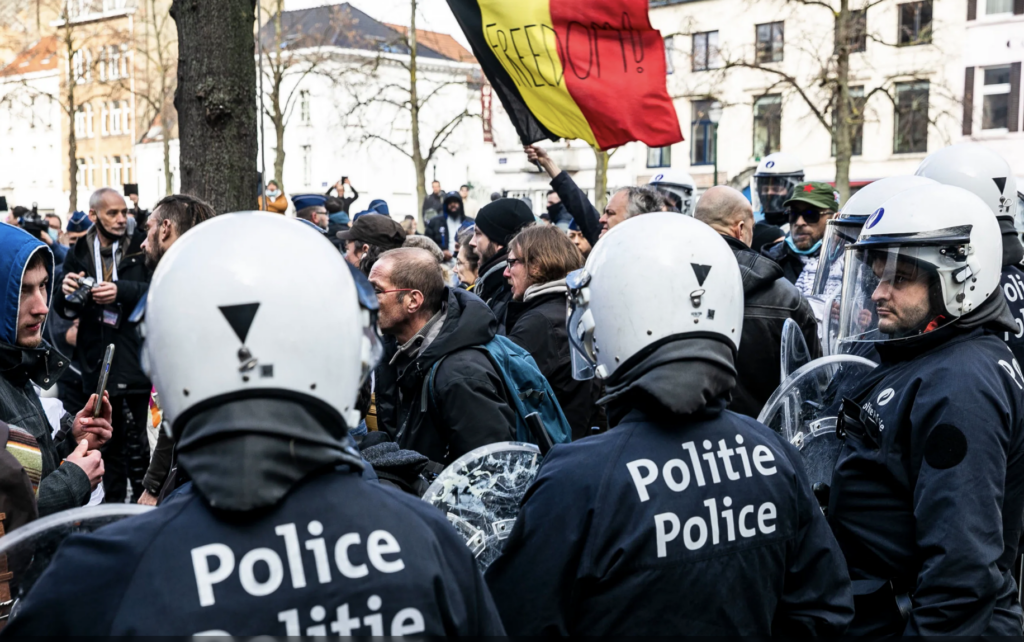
(247,454)
(1013,251)
(16,249)
(678,376)
(469,322)
(377,206)
(758,272)
(339,218)
(453,197)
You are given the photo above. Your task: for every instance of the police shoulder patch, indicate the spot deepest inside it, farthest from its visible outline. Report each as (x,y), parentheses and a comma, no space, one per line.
(946,447)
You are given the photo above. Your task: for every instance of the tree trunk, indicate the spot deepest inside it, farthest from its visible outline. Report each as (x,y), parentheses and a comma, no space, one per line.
(277,67)
(70,109)
(841,121)
(414,113)
(215,102)
(165,133)
(279,152)
(600,179)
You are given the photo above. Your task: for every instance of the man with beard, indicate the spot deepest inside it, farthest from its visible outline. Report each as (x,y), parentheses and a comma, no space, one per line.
(810,208)
(173,216)
(113,258)
(445,227)
(496,224)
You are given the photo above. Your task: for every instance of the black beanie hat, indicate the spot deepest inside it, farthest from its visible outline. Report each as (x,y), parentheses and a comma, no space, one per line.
(502,219)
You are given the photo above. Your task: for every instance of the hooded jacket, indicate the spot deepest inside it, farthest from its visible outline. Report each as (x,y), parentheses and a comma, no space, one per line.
(470,407)
(652,528)
(768,300)
(537,324)
(492,286)
(438,229)
(62,486)
(94,335)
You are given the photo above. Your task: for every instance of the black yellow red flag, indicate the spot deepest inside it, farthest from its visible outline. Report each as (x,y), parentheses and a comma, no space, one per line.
(587,69)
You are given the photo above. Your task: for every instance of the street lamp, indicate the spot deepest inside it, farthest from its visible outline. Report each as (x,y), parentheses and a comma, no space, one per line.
(715,115)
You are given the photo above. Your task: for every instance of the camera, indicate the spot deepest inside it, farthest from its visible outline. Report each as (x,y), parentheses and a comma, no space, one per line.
(79,297)
(33,222)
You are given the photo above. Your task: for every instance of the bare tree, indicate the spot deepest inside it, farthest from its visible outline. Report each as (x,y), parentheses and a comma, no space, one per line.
(157,45)
(412,99)
(290,53)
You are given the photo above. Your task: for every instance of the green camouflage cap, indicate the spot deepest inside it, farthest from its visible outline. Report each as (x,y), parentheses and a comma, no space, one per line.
(816,193)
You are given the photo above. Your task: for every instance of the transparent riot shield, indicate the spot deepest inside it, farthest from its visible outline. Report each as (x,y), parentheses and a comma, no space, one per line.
(804,407)
(794,352)
(31,548)
(480,493)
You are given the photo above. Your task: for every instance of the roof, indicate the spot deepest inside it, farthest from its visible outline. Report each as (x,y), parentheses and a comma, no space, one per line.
(342,25)
(42,56)
(442,43)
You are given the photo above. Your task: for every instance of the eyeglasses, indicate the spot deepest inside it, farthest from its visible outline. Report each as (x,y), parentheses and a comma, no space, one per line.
(810,215)
(381,293)
(512,262)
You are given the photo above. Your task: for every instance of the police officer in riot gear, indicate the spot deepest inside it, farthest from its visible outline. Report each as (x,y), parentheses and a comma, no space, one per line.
(772,184)
(983,172)
(677,187)
(686,518)
(281,533)
(928,489)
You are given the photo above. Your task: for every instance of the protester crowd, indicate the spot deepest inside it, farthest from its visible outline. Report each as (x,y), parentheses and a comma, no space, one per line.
(647,339)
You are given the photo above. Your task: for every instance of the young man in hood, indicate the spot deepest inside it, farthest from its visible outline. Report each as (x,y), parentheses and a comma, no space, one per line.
(686,518)
(70,463)
(768,300)
(444,228)
(496,224)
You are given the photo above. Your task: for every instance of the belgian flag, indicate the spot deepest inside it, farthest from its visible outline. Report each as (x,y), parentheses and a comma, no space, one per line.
(587,69)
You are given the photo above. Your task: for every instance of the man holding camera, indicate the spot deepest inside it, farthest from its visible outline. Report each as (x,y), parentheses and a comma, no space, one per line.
(105,275)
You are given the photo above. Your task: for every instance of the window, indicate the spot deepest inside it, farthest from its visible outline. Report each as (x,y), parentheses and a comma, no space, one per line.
(705,51)
(126,117)
(78,65)
(304,107)
(911,133)
(857,31)
(82,175)
(767,125)
(670,49)
(702,136)
(993,7)
(769,42)
(115,118)
(88,66)
(857,104)
(995,106)
(115,63)
(659,156)
(307,164)
(104,116)
(915,23)
(89,132)
(115,171)
(103,64)
(80,122)
(90,172)
(105,171)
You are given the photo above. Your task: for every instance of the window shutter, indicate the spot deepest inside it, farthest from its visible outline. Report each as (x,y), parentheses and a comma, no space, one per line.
(968,100)
(972,9)
(1013,104)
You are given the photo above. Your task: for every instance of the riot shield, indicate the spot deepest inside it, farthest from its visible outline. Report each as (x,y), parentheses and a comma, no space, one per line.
(480,493)
(794,352)
(31,548)
(804,408)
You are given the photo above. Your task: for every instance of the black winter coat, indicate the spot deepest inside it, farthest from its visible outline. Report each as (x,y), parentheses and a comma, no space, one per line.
(437,229)
(928,489)
(471,408)
(578,205)
(126,374)
(768,300)
(790,262)
(538,326)
(692,525)
(493,288)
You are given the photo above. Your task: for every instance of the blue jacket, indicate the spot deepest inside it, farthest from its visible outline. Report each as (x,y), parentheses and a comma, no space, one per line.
(928,490)
(340,555)
(16,248)
(701,526)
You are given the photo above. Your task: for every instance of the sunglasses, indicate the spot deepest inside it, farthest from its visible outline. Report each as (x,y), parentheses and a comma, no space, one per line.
(810,215)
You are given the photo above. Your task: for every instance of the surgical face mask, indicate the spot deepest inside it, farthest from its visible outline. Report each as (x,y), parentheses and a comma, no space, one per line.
(54,233)
(273,193)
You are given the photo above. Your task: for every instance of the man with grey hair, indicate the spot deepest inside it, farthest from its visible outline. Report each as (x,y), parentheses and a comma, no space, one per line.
(769,299)
(115,261)
(629,202)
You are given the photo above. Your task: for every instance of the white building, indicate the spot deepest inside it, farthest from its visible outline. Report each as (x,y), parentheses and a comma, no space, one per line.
(30,130)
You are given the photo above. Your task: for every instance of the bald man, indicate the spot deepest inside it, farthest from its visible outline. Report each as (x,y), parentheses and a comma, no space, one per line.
(769,299)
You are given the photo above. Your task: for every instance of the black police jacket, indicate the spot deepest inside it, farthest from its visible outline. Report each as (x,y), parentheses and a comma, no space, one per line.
(1012,286)
(94,335)
(340,556)
(469,408)
(927,494)
(768,300)
(704,525)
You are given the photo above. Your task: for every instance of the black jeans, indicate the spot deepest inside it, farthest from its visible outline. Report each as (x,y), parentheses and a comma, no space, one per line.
(126,455)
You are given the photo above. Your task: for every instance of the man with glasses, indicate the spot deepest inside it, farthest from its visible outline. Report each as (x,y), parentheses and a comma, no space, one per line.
(809,210)
(426,323)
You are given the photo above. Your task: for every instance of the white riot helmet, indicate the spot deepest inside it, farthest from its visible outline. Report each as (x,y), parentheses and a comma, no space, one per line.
(772,185)
(978,170)
(677,187)
(927,257)
(845,228)
(616,308)
(226,318)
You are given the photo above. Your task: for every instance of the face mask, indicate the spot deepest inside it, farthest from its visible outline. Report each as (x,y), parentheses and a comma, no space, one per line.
(273,193)
(53,233)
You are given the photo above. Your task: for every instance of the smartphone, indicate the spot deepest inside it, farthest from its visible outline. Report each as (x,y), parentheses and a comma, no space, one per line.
(131,188)
(108,358)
